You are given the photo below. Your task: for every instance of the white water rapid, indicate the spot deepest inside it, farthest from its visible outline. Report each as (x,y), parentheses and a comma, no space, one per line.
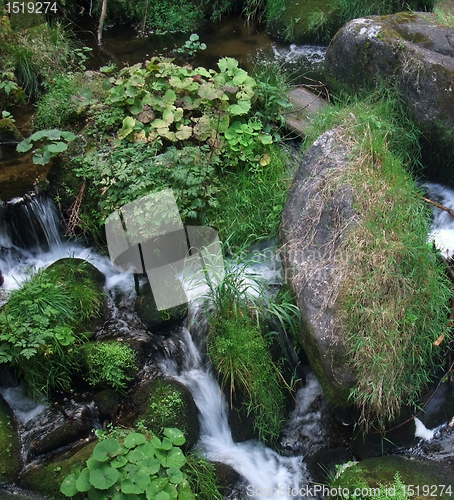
(264,471)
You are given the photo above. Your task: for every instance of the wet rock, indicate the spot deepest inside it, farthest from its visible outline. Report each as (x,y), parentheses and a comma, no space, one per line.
(2,279)
(45,478)
(156,320)
(311,234)
(9,132)
(9,445)
(417,54)
(108,403)
(159,404)
(226,476)
(373,472)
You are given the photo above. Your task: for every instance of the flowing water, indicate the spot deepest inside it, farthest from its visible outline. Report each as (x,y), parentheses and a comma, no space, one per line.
(261,468)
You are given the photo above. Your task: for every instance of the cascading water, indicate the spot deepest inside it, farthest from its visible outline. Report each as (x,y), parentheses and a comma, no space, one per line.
(264,472)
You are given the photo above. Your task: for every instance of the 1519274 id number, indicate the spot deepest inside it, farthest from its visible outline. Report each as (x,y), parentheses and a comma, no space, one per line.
(31,7)
(427,490)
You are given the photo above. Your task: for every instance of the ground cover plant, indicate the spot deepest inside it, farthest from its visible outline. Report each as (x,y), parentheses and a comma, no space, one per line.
(201,132)
(145,468)
(394,295)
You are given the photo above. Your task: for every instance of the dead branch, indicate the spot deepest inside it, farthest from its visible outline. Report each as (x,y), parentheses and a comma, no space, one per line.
(439,205)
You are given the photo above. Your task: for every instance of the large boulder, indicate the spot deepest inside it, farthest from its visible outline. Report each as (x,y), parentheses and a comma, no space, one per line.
(312,229)
(417,54)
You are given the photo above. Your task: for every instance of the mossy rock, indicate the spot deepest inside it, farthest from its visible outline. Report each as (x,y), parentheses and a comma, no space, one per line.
(10,463)
(163,403)
(47,477)
(87,276)
(156,320)
(373,472)
(9,131)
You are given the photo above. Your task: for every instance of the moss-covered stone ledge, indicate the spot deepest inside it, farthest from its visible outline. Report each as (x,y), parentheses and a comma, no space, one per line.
(10,463)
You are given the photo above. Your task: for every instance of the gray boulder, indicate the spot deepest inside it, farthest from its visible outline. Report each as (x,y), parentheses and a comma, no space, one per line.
(417,54)
(314,222)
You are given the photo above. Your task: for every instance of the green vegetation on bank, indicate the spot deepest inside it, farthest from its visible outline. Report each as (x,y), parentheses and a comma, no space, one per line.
(394,295)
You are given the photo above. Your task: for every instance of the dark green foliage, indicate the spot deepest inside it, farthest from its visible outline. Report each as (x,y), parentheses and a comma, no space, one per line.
(133,170)
(110,363)
(40,327)
(142,465)
(202,477)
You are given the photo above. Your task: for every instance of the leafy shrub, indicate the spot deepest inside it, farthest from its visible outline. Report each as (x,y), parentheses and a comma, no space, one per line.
(145,468)
(39,329)
(110,363)
(131,171)
(53,144)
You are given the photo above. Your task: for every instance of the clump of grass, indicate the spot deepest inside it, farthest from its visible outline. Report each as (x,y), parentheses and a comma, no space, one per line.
(443,17)
(250,203)
(393,294)
(242,358)
(38,54)
(240,346)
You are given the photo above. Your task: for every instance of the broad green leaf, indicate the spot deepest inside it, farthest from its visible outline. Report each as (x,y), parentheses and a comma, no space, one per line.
(194,37)
(134,439)
(119,462)
(266,139)
(135,455)
(104,477)
(68,136)
(129,122)
(241,108)
(137,107)
(83,481)
(93,464)
(162,495)
(175,475)
(24,146)
(68,486)
(209,92)
(37,136)
(108,448)
(175,435)
(158,123)
(183,133)
(228,64)
(201,71)
(57,147)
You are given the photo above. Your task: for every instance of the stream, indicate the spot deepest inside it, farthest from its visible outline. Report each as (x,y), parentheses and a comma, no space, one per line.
(264,471)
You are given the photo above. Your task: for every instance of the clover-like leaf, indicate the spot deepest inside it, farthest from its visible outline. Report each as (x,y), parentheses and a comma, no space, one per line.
(104,478)
(68,486)
(108,448)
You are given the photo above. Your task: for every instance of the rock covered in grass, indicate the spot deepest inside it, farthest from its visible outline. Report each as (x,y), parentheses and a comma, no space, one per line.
(312,229)
(417,53)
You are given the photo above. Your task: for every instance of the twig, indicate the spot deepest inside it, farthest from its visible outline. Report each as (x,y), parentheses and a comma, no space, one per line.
(439,205)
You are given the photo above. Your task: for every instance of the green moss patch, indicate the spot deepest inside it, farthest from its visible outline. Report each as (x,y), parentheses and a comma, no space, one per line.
(9,445)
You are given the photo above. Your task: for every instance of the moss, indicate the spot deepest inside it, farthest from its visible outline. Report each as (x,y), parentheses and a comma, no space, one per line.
(47,478)
(374,472)
(8,131)
(163,403)
(9,446)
